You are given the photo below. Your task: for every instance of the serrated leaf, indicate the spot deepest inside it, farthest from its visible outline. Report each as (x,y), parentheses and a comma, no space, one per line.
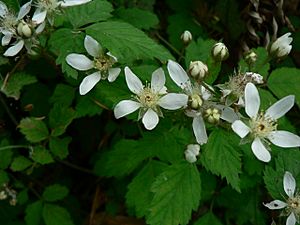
(93,11)
(222,157)
(34,129)
(15,83)
(3,177)
(55,192)
(139,196)
(59,147)
(86,106)
(63,95)
(54,215)
(208,219)
(41,155)
(20,163)
(285,81)
(127,42)
(34,213)
(177,192)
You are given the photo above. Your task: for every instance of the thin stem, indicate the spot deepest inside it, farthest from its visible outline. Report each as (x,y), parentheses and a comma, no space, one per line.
(167,43)
(76,167)
(6,108)
(208,88)
(14,147)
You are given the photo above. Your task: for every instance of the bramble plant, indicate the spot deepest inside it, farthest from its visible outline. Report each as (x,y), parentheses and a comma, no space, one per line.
(149,112)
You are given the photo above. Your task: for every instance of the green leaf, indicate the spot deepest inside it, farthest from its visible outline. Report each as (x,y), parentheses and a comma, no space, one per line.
(59,147)
(208,219)
(55,192)
(93,11)
(13,5)
(177,192)
(20,163)
(56,215)
(34,213)
(15,83)
(3,177)
(222,157)
(139,196)
(41,155)
(63,95)
(34,129)
(5,154)
(285,81)
(87,106)
(127,42)
(142,19)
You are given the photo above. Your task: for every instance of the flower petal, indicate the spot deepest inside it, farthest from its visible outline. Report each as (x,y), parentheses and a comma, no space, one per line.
(289,184)
(281,107)
(173,101)
(291,220)
(92,46)
(199,130)
(229,115)
(3,9)
(39,16)
(158,80)
(252,100)
(40,28)
(113,73)
(260,151)
(150,119)
(24,10)
(125,107)
(284,139)
(276,204)
(79,61)
(89,82)
(15,49)
(178,75)
(240,128)
(133,82)
(67,3)
(112,56)
(6,39)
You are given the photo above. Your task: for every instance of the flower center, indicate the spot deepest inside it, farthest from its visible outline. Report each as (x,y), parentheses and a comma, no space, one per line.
(8,22)
(262,125)
(103,63)
(294,205)
(212,115)
(48,5)
(148,98)
(195,101)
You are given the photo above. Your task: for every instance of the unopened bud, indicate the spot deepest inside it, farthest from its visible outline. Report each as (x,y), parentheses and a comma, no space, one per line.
(13,202)
(24,30)
(198,70)
(195,101)
(219,52)
(3,195)
(186,37)
(282,46)
(250,57)
(212,115)
(191,152)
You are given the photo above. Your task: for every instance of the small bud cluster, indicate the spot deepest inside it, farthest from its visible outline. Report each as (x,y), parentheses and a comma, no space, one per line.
(8,193)
(191,152)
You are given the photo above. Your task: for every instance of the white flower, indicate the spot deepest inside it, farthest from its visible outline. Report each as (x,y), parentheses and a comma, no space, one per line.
(292,204)
(282,46)
(50,7)
(186,37)
(262,126)
(149,99)
(101,62)
(191,152)
(219,52)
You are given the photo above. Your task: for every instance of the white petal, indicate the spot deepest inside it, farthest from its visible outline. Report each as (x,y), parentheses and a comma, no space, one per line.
(240,128)
(284,139)
(113,73)
(67,3)
(252,100)
(112,56)
(15,49)
(158,80)
(229,115)
(260,151)
(291,220)
(6,39)
(89,82)
(3,9)
(289,184)
(40,28)
(39,16)
(24,10)
(178,75)
(92,46)
(125,107)
(150,119)
(199,130)
(281,107)
(190,157)
(276,204)
(79,61)
(173,101)
(133,82)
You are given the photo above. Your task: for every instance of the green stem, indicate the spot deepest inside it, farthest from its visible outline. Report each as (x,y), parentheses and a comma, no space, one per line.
(167,43)
(14,146)
(76,167)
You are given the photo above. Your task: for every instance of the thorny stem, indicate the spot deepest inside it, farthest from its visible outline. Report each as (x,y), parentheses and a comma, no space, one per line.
(168,44)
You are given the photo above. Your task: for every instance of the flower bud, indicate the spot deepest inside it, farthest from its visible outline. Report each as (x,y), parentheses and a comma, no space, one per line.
(195,101)
(250,57)
(282,46)
(198,70)
(212,115)
(191,152)
(24,30)
(219,52)
(186,37)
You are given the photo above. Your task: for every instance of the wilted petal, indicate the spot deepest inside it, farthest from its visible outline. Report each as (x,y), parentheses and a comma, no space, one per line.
(24,10)
(6,39)
(284,139)
(92,46)
(113,73)
(199,130)
(178,75)
(240,128)
(276,204)
(150,119)
(260,151)
(281,107)
(125,107)
(133,82)
(291,220)
(158,80)
(252,100)
(173,101)
(67,3)
(39,16)
(79,62)
(15,49)
(289,184)
(89,82)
